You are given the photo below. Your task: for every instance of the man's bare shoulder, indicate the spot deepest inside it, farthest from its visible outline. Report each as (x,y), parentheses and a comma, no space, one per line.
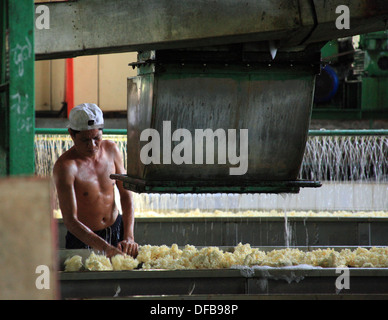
(66,164)
(110,146)
(113,150)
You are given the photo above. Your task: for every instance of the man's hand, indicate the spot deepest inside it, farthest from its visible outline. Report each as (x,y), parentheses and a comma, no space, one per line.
(129,247)
(111,251)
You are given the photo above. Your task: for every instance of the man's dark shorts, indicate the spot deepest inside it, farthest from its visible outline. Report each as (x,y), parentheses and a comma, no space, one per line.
(113,235)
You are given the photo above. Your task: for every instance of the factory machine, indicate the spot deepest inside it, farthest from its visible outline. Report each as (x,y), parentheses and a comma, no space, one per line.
(240,76)
(352,84)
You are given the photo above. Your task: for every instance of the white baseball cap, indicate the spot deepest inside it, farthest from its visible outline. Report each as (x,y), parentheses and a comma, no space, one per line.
(86,116)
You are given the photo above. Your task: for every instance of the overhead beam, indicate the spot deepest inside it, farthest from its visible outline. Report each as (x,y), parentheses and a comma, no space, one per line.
(84,27)
(365,16)
(98,26)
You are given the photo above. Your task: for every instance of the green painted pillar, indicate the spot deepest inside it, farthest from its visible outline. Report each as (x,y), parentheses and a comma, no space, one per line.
(19,126)
(3,90)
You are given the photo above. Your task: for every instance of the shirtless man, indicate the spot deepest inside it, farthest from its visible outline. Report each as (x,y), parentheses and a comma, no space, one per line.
(85,191)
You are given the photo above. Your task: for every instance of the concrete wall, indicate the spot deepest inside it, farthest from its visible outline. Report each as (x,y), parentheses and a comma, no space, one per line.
(99,79)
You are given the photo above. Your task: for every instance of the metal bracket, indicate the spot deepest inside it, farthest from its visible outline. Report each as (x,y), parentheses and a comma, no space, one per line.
(142,186)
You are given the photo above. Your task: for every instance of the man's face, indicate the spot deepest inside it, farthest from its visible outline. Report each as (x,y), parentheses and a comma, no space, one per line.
(88,142)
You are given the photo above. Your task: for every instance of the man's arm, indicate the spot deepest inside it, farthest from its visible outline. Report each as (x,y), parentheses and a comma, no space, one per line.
(128,245)
(64,180)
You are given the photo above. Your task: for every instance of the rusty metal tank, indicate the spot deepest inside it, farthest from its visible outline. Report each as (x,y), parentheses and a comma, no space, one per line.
(256,113)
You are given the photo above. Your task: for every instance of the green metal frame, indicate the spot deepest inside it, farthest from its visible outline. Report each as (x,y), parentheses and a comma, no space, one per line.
(18,103)
(363,132)
(369,99)
(65,131)
(366,132)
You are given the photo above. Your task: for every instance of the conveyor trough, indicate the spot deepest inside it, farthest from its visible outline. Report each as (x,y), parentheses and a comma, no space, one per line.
(239,281)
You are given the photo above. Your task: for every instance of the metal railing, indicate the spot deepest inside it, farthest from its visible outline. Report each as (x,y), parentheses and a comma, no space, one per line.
(347,132)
